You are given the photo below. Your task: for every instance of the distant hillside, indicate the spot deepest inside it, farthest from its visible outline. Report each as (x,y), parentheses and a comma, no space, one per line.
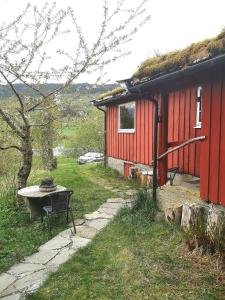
(82,88)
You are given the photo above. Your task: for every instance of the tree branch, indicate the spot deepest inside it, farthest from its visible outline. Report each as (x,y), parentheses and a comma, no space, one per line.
(13,89)
(11,124)
(11,147)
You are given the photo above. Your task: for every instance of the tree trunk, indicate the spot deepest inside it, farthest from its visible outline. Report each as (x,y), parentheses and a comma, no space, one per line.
(48,159)
(27,156)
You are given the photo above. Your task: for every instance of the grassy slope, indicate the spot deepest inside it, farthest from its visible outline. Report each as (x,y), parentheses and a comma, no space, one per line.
(19,237)
(131,259)
(68,133)
(68,130)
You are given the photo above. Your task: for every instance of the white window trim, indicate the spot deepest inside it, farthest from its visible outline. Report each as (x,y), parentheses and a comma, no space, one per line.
(131,130)
(198,124)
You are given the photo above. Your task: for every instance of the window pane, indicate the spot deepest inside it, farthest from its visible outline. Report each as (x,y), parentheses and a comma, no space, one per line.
(199,106)
(127,116)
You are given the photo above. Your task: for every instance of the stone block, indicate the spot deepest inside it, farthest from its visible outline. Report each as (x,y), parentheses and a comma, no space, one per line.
(114,205)
(58,242)
(23,269)
(97,215)
(108,188)
(86,232)
(67,233)
(5,281)
(131,192)
(41,257)
(62,257)
(98,224)
(79,242)
(16,296)
(27,284)
(116,200)
(108,211)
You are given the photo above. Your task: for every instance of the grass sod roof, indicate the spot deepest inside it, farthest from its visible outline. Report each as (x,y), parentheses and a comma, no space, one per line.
(180,59)
(118,90)
(175,60)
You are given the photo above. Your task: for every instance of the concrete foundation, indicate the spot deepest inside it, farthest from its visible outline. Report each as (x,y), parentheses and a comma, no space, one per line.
(118,164)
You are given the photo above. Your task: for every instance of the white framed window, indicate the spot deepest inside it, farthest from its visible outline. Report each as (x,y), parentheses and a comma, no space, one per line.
(198,121)
(126,118)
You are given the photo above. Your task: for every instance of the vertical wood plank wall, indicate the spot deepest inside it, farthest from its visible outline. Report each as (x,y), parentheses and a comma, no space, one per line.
(135,147)
(204,159)
(181,123)
(212,157)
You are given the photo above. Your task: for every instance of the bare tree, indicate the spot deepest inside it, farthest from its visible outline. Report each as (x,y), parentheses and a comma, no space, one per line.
(27,57)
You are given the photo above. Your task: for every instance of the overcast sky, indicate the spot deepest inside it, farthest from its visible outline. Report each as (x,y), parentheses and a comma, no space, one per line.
(174,24)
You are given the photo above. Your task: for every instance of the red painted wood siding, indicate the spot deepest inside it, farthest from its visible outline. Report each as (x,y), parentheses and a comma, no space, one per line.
(212,158)
(138,147)
(181,123)
(205,159)
(135,147)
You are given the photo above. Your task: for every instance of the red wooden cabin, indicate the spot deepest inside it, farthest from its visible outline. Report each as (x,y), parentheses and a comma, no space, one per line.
(191,103)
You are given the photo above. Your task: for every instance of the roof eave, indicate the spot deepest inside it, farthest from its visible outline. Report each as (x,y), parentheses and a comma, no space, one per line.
(205,65)
(114,99)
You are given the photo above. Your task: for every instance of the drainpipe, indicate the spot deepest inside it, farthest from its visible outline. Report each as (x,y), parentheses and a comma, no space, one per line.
(105,149)
(155,160)
(155,141)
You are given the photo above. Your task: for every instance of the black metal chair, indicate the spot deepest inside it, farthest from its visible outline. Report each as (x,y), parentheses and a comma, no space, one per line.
(58,202)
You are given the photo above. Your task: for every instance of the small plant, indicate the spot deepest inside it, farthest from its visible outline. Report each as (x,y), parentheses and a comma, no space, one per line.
(144,205)
(196,237)
(142,212)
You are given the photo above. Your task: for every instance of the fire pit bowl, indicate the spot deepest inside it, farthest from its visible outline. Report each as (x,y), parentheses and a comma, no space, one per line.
(47,185)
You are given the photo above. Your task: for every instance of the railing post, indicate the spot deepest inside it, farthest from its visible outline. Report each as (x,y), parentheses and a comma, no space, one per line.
(163,139)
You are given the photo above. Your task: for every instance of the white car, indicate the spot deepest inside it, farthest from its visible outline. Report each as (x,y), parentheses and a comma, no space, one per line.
(90,157)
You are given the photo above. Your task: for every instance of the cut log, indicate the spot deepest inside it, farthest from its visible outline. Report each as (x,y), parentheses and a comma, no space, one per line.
(173,215)
(193,223)
(193,217)
(216,224)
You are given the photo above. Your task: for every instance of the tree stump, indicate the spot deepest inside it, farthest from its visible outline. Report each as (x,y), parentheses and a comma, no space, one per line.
(216,225)
(173,215)
(193,223)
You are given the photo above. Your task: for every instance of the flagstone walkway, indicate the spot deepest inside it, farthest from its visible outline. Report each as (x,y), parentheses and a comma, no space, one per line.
(27,276)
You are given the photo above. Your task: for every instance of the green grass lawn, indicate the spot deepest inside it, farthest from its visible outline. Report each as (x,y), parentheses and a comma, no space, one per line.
(135,259)
(68,135)
(68,130)
(20,237)
(132,258)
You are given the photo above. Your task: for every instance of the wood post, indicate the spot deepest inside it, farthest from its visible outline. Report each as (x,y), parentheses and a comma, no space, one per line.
(163,140)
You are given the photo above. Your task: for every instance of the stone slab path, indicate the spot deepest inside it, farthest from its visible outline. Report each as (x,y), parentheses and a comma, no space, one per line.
(26,277)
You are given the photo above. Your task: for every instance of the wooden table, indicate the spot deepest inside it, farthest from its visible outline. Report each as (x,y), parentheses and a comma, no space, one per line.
(33,197)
